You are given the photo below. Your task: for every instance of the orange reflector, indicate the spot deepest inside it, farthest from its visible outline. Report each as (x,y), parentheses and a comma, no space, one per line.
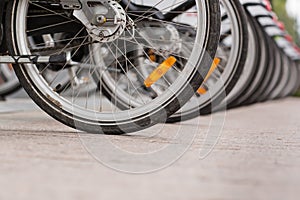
(152,55)
(213,67)
(10,67)
(152,58)
(160,71)
(201,90)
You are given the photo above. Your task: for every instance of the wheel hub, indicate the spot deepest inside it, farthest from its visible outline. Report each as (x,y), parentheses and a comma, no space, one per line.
(105,20)
(165,38)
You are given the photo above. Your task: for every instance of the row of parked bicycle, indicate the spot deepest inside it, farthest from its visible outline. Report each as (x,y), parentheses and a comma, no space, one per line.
(115,67)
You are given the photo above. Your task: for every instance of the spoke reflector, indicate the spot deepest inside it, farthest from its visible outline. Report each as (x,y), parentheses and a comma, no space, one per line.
(213,67)
(201,90)
(10,67)
(160,71)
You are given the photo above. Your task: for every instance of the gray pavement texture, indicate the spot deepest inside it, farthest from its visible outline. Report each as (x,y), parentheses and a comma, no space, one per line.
(256,157)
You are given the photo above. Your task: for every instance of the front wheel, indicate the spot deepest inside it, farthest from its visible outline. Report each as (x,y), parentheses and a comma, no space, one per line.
(45,28)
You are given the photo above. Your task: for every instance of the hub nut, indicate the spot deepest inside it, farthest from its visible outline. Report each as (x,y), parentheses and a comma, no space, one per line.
(101,19)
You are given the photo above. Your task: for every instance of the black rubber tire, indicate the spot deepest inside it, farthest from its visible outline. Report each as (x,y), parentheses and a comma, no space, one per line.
(294,76)
(234,102)
(277,73)
(262,68)
(269,75)
(286,73)
(297,86)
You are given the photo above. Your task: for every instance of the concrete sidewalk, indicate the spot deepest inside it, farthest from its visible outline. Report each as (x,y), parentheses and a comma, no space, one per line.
(257,157)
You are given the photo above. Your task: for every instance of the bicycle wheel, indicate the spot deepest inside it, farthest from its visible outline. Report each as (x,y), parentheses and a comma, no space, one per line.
(261,70)
(269,74)
(297,85)
(26,18)
(293,79)
(286,73)
(232,53)
(249,71)
(276,57)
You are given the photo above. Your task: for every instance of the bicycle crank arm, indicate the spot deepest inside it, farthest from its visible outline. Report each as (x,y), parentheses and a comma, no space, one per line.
(34,59)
